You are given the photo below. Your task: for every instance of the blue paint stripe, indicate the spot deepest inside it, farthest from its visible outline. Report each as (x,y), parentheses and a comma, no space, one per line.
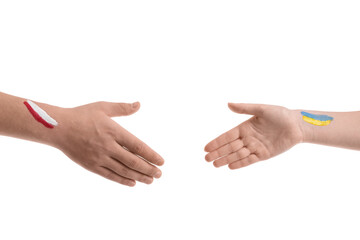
(317,117)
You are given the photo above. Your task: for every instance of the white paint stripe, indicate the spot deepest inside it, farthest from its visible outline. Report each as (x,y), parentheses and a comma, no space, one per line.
(42,113)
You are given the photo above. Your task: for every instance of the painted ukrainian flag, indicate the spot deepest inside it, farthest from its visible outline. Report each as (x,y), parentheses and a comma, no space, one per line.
(318,120)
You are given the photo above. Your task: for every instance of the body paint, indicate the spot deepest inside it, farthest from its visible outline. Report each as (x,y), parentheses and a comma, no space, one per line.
(40,115)
(318,120)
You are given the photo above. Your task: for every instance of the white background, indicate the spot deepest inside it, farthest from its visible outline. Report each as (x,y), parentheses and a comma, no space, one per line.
(183,60)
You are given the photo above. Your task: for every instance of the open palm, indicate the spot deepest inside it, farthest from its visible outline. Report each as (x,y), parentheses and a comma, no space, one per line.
(271,131)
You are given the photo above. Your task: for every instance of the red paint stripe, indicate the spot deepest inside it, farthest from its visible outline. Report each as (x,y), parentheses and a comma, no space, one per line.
(37,116)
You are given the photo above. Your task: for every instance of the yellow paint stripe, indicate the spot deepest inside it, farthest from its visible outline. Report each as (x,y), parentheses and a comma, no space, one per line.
(316,122)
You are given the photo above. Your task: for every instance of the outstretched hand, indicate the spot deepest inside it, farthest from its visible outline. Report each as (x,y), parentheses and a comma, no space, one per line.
(271,131)
(89,136)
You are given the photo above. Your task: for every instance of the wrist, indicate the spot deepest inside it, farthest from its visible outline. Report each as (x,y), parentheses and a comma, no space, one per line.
(306,131)
(53,136)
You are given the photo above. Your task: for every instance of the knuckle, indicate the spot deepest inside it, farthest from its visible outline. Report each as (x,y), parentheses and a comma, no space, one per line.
(99,104)
(123,181)
(237,165)
(124,171)
(126,182)
(107,147)
(109,175)
(100,161)
(145,179)
(124,108)
(139,148)
(90,164)
(120,107)
(152,171)
(132,163)
(262,109)
(154,157)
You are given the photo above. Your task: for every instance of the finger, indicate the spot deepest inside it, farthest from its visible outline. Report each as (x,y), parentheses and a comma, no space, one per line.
(252,158)
(224,150)
(107,173)
(223,139)
(136,163)
(118,109)
(250,145)
(247,108)
(136,146)
(126,172)
(235,156)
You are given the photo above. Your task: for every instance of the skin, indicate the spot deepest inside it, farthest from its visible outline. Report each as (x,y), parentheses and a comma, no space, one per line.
(88,136)
(273,130)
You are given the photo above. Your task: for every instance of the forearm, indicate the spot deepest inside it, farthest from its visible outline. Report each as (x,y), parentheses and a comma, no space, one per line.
(342,131)
(17,121)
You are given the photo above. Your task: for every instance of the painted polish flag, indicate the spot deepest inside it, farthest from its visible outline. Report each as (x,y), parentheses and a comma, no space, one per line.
(40,115)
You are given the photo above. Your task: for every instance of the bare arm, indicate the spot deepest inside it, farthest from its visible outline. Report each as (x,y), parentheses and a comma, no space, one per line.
(274,129)
(343,131)
(86,134)
(16,121)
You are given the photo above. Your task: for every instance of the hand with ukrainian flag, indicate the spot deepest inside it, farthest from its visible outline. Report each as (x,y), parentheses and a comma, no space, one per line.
(274,129)
(271,131)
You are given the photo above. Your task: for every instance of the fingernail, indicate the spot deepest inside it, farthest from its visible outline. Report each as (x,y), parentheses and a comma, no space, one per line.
(158,174)
(135,105)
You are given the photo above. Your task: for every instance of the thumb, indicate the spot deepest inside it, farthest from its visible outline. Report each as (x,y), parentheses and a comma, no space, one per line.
(247,108)
(119,109)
